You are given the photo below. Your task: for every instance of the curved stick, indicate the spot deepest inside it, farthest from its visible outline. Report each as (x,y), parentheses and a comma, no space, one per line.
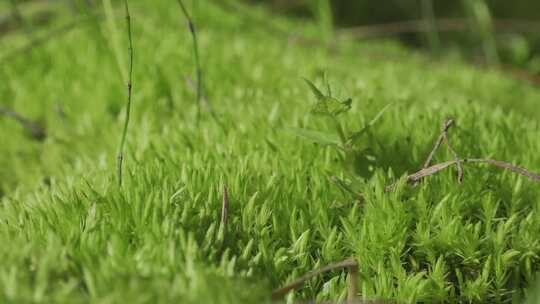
(348,263)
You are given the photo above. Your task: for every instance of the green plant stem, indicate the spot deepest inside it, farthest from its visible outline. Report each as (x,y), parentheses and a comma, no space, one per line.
(342,137)
(16,13)
(198,70)
(428,13)
(120,157)
(340,131)
(325,18)
(480,14)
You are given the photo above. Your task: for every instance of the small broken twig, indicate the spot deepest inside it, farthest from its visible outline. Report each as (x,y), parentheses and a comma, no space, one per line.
(36,131)
(446,125)
(225,211)
(349,263)
(352,289)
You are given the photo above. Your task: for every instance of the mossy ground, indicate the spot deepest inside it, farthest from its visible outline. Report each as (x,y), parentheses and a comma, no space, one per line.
(70,234)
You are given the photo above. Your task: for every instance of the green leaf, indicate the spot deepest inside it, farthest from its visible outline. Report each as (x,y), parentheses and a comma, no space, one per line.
(271,145)
(379,115)
(326,104)
(327,84)
(361,162)
(344,187)
(331,106)
(314,89)
(316,137)
(357,135)
(509,255)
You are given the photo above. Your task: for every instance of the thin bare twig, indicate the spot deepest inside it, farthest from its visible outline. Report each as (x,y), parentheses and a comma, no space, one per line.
(415,177)
(444,138)
(352,289)
(37,131)
(120,156)
(504,165)
(456,157)
(446,125)
(349,263)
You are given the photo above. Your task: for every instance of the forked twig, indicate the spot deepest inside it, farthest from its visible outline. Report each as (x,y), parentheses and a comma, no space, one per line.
(37,131)
(352,289)
(456,158)
(349,263)
(428,170)
(446,125)
(120,156)
(444,138)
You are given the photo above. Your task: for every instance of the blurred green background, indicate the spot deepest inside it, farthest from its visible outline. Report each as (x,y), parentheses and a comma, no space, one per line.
(488,32)
(496,33)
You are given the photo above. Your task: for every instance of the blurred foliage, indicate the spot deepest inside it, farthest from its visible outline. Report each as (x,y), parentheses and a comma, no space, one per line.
(515,24)
(489,31)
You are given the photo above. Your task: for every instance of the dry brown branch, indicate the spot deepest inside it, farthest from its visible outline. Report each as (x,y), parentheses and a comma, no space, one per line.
(349,263)
(413,178)
(428,170)
(352,289)
(504,165)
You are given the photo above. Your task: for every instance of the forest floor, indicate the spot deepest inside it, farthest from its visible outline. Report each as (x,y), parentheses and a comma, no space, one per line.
(309,177)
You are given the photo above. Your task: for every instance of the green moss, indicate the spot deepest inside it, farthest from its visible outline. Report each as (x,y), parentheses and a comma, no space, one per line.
(71,235)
